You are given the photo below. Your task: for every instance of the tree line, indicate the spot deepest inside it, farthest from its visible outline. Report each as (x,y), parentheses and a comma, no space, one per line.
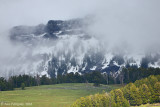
(142,91)
(127,75)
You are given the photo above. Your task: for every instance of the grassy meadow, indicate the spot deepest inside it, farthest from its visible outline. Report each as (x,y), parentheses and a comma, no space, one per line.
(150,105)
(59,95)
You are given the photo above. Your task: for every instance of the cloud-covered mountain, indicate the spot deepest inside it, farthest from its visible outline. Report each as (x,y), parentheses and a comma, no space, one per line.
(61,47)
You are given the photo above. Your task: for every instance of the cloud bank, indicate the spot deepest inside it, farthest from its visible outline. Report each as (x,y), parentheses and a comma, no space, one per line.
(122,25)
(135,23)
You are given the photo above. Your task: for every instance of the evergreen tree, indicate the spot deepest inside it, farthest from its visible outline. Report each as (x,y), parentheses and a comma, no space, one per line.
(144,93)
(157,92)
(135,98)
(22,86)
(119,98)
(152,80)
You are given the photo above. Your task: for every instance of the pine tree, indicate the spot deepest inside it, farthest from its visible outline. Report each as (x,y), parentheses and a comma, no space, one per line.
(157,92)
(126,91)
(152,80)
(145,93)
(119,98)
(135,98)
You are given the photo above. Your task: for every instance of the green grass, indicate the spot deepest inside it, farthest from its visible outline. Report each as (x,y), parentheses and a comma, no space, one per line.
(58,95)
(150,105)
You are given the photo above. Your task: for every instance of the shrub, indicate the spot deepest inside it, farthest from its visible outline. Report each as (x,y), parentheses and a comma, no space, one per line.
(23,86)
(96,84)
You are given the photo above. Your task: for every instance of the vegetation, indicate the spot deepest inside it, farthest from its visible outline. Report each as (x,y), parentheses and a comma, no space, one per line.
(58,95)
(126,76)
(150,105)
(132,74)
(143,91)
(23,86)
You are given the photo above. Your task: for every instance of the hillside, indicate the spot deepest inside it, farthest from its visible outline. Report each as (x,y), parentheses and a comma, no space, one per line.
(58,95)
(146,90)
(64,46)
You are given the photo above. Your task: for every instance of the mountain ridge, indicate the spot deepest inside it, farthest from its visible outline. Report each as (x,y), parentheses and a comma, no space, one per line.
(61,47)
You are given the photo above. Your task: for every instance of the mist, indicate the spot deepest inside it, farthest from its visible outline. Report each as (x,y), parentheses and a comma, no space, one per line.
(116,21)
(24,12)
(117,26)
(133,23)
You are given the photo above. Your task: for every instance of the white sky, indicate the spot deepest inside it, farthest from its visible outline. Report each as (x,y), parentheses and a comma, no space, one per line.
(116,20)
(33,12)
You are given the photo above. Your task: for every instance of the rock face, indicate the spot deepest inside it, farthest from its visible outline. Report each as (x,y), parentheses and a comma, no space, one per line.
(60,47)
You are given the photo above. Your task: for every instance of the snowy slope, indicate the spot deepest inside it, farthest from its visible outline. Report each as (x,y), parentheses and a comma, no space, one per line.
(62,47)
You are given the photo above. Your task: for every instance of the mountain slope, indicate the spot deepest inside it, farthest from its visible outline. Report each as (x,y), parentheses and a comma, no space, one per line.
(61,47)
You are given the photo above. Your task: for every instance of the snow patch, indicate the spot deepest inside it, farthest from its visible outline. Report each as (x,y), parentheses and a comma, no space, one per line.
(93,68)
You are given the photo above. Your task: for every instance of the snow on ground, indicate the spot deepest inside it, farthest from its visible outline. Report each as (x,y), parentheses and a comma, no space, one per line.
(155,65)
(44,73)
(137,57)
(93,68)
(73,69)
(108,58)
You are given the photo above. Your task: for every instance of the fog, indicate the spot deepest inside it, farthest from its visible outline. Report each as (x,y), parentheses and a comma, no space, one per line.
(121,25)
(33,12)
(115,20)
(134,22)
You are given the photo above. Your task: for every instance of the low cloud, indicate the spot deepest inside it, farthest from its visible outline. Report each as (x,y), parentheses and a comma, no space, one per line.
(134,23)
(120,25)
